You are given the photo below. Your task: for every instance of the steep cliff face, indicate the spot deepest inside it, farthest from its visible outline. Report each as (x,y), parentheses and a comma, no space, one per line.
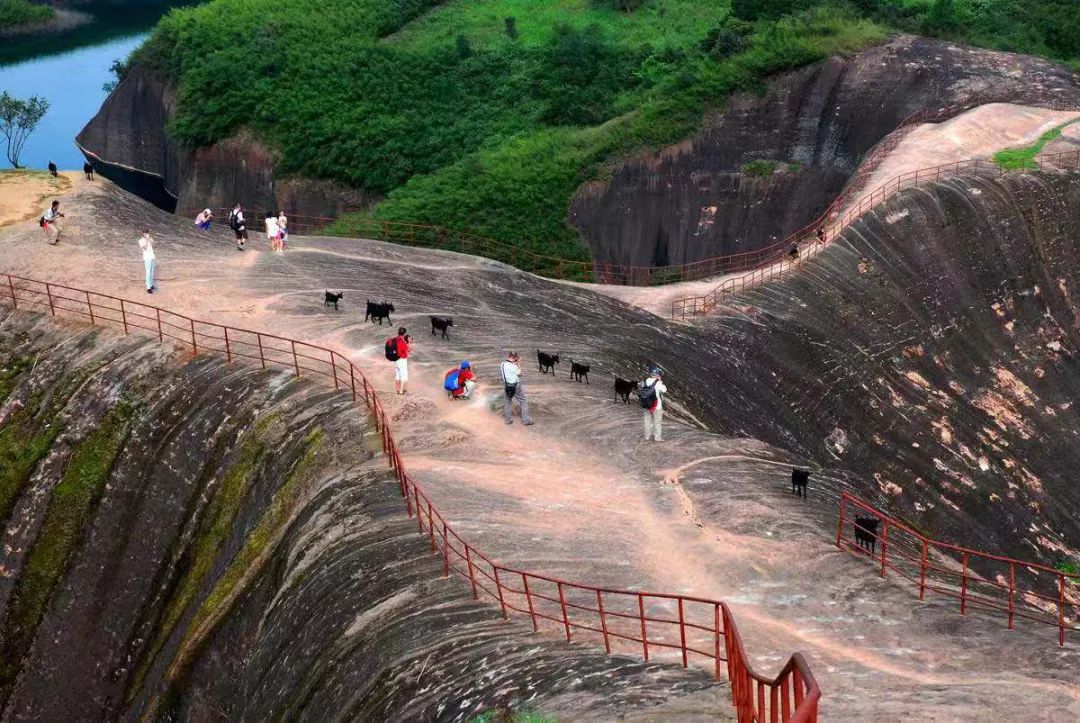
(694,200)
(190,539)
(129,141)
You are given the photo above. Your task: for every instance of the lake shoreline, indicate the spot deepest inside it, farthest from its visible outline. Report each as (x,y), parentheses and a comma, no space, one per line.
(62,21)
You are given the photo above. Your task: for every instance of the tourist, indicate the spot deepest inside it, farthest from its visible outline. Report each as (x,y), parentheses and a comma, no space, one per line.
(514,390)
(146,243)
(88,170)
(204,219)
(283,227)
(273,233)
(400,354)
(821,234)
(652,399)
(460,381)
(237,224)
(50,223)
(52,169)
(794,251)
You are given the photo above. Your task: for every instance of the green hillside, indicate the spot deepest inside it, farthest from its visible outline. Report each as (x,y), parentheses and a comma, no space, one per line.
(486,115)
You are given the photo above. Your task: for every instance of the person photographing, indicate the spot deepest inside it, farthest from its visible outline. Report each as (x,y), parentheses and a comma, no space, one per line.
(651,393)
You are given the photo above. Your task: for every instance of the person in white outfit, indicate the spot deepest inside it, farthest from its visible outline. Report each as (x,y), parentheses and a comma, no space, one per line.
(146,243)
(654,413)
(514,390)
(273,232)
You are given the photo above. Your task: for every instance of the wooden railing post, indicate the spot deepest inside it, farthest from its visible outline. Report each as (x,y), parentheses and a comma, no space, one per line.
(11,288)
(160,332)
(295,358)
(228,349)
(262,359)
(123,316)
(90,308)
(48,294)
(194,344)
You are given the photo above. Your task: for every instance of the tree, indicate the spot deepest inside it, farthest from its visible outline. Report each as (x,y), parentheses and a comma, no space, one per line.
(18,118)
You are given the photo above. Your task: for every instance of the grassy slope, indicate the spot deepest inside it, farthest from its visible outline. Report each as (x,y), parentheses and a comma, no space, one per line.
(20,12)
(434,104)
(1014,159)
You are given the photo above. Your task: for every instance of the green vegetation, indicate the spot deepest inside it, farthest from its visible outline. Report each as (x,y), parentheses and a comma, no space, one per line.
(1016,159)
(69,506)
(1069,567)
(22,12)
(505,716)
(759,168)
(214,530)
(487,115)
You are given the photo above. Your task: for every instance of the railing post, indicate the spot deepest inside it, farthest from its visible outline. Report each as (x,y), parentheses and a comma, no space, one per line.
(644,635)
(1061,608)
(840,526)
(528,599)
(446,551)
(11,288)
(498,587)
(194,345)
(682,631)
(603,622)
(295,358)
(922,572)
(90,308)
(565,616)
(333,368)
(716,637)
(352,379)
(1012,593)
(228,349)
(416,506)
(431,526)
(160,332)
(262,359)
(123,316)
(48,294)
(472,572)
(884,544)
(963,587)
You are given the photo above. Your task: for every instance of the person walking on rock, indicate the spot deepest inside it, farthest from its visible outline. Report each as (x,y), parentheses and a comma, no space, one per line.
(397,351)
(146,243)
(237,224)
(273,233)
(50,223)
(652,393)
(283,227)
(514,390)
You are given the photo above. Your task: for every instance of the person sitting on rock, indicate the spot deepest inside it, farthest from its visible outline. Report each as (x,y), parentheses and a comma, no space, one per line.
(204,219)
(460,381)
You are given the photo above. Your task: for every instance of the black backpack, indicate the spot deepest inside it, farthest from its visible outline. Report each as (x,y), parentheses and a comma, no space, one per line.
(647,394)
(391,349)
(234,221)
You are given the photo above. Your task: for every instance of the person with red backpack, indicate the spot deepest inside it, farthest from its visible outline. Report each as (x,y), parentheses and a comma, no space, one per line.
(397,351)
(459,382)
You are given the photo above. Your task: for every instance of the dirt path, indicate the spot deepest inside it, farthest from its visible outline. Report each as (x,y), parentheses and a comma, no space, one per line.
(580,495)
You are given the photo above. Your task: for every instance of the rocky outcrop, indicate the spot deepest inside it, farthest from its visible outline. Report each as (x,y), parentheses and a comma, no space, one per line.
(693,200)
(187,539)
(129,141)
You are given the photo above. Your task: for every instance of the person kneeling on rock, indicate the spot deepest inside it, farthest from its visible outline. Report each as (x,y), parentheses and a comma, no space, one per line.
(460,381)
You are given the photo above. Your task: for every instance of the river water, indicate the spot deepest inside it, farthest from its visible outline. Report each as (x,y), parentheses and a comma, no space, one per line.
(70,69)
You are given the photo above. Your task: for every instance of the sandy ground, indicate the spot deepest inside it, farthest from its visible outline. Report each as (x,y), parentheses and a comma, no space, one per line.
(978,133)
(24,195)
(580,495)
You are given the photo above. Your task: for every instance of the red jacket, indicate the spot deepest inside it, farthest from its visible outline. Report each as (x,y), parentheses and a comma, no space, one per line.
(463,376)
(402,348)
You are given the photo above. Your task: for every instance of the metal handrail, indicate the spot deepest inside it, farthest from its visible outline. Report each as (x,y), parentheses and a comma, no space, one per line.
(623,619)
(932,566)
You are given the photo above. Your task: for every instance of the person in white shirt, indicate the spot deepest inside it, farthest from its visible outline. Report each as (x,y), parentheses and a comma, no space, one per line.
(204,219)
(146,243)
(283,228)
(514,389)
(50,223)
(654,414)
(273,232)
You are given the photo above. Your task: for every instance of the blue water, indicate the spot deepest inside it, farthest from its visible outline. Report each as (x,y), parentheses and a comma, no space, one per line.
(72,82)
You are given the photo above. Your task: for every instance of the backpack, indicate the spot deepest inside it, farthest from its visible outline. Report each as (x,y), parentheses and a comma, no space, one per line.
(450,383)
(647,395)
(391,349)
(234,221)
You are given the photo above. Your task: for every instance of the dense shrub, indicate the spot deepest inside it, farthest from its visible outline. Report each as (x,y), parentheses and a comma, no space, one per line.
(19,12)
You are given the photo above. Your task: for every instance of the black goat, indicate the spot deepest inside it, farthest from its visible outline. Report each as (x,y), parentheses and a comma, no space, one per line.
(378,312)
(577,371)
(547,362)
(332,299)
(624,388)
(441,324)
(866,533)
(800,478)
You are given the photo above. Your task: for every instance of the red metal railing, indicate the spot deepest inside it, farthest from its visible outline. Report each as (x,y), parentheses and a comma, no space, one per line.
(777,263)
(1012,588)
(653,623)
